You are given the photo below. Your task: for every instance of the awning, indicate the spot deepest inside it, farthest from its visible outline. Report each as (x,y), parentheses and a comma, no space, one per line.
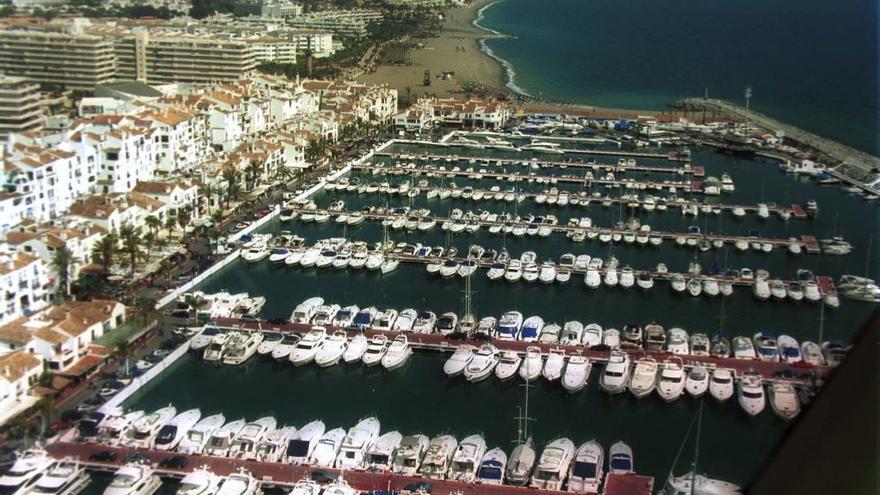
(83,366)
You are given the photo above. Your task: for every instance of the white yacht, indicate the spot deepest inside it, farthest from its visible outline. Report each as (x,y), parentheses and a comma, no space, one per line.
(620,459)
(144,430)
(554,365)
(492,466)
(345,316)
(690,484)
(241,347)
(270,340)
(677,341)
(355,445)
(587,469)
(615,376)
(376,350)
(305,350)
(174,431)
(116,428)
(721,384)
(671,381)
(466,459)
(644,378)
(214,351)
(743,348)
(25,471)
(532,364)
(385,320)
(274,444)
(577,372)
(306,310)
(397,354)
(239,483)
(357,346)
(571,334)
(282,349)
(697,381)
(508,365)
(459,360)
(521,463)
(133,479)
(611,338)
(302,444)
(784,400)
(531,329)
(325,314)
(65,477)
(750,394)
(332,350)
(425,322)
(201,481)
(482,364)
(405,320)
(553,465)
(327,449)
(438,456)
(592,335)
(221,440)
(244,445)
(339,487)
(409,455)
(509,326)
(379,455)
(812,353)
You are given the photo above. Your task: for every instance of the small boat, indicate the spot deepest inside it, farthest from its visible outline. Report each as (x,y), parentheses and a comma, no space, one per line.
(459,360)
(577,372)
(743,348)
(697,381)
(438,456)
(492,466)
(620,459)
(397,354)
(408,457)
(304,352)
(553,465)
(587,468)
(302,444)
(812,353)
(425,322)
(616,375)
(671,380)
(327,448)
(721,384)
(509,363)
(789,350)
(285,346)
(766,347)
(134,478)
(466,459)
(482,364)
(554,365)
(644,378)
(405,320)
(380,452)
(532,364)
(784,400)
(332,349)
(375,351)
(750,394)
(356,442)
(270,341)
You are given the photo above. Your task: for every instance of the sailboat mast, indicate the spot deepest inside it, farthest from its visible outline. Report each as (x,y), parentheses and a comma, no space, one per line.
(821,323)
(697,447)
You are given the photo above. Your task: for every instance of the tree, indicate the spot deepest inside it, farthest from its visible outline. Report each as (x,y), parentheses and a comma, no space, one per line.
(104,252)
(153,224)
(253,171)
(149,239)
(170,223)
(183,220)
(233,184)
(206,192)
(143,310)
(131,244)
(62,263)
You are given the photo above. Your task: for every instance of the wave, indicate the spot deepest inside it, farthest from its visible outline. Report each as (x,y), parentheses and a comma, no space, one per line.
(509,70)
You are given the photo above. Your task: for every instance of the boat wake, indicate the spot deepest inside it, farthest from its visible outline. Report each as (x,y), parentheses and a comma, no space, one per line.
(509,70)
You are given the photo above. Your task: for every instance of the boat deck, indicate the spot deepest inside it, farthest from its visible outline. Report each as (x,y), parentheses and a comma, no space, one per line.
(769,371)
(696,171)
(283,474)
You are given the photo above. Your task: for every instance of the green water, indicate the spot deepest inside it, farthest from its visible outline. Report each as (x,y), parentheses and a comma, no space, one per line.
(419,399)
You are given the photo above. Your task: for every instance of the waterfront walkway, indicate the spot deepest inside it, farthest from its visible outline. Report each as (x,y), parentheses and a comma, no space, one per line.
(283,474)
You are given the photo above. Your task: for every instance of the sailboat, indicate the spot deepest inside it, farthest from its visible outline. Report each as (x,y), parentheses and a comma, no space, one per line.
(694,483)
(468,322)
(522,458)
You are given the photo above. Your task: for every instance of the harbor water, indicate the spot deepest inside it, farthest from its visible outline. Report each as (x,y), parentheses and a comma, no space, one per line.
(417,398)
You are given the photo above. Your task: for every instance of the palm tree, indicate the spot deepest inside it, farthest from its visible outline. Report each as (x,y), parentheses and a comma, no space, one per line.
(143,310)
(206,191)
(233,184)
(104,252)
(153,224)
(254,170)
(183,221)
(131,244)
(62,263)
(170,223)
(149,239)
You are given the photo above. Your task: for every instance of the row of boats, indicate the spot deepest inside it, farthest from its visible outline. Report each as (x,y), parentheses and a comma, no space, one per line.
(362,447)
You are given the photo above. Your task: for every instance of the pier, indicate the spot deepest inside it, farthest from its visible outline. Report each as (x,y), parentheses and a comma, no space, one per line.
(287,475)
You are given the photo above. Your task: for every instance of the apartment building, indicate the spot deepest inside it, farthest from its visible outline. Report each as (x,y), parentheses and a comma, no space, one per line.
(44,240)
(20,107)
(345,23)
(280,9)
(71,59)
(19,371)
(24,285)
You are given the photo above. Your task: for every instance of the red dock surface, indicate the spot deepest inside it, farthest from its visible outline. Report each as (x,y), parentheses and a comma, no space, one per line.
(826,284)
(276,473)
(768,370)
(811,244)
(798,211)
(699,172)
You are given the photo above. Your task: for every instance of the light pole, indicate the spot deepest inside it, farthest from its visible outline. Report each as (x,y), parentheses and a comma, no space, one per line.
(748,95)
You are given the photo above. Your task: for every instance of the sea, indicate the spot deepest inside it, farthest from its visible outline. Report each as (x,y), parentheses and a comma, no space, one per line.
(418,398)
(811,63)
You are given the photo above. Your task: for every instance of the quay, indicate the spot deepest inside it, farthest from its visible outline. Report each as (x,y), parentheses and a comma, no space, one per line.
(769,371)
(287,475)
(807,242)
(608,167)
(686,186)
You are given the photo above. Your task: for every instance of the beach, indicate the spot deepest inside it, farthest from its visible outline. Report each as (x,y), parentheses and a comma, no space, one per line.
(456,49)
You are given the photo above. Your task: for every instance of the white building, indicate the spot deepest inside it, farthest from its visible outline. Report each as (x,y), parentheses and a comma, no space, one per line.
(24,285)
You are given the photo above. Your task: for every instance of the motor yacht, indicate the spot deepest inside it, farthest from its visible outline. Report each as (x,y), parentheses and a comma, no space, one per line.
(304,352)
(379,455)
(241,346)
(699,345)
(200,481)
(270,340)
(553,465)
(239,483)
(438,457)
(244,445)
(508,364)
(586,471)
(592,278)
(633,335)
(620,459)
(572,332)
(306,310)
(554,365)
(611,338)
(425,322)
(509,326)
(25,471)
(492,466)
(345,316)
(531,329)
(487,326)
(466,459)
(721,384)
(144,430)
(204,338)
(644,378)
(743,348)
(766,346)
(671,380)
(302,444)
(375,351)
(592,335)
(283,349)
(532,364)
(409,454)
(447,323)
(784,400)
(459,360)
(214,351)
(550,334)
(363,318)
(220,441)
(306,487)
(750,394)
(327,449)
(677,341)
(174,431)
(616,375)
(405,320)
(355,350)
(482,364)
(384,320)
(332,349)
(112,430)
(274,444)
(690,483)
(789,350)
(812,353)
(397,354)
(577,372)
(133,478)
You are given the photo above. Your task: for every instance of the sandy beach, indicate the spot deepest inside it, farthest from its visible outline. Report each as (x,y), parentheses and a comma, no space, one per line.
(456,49)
